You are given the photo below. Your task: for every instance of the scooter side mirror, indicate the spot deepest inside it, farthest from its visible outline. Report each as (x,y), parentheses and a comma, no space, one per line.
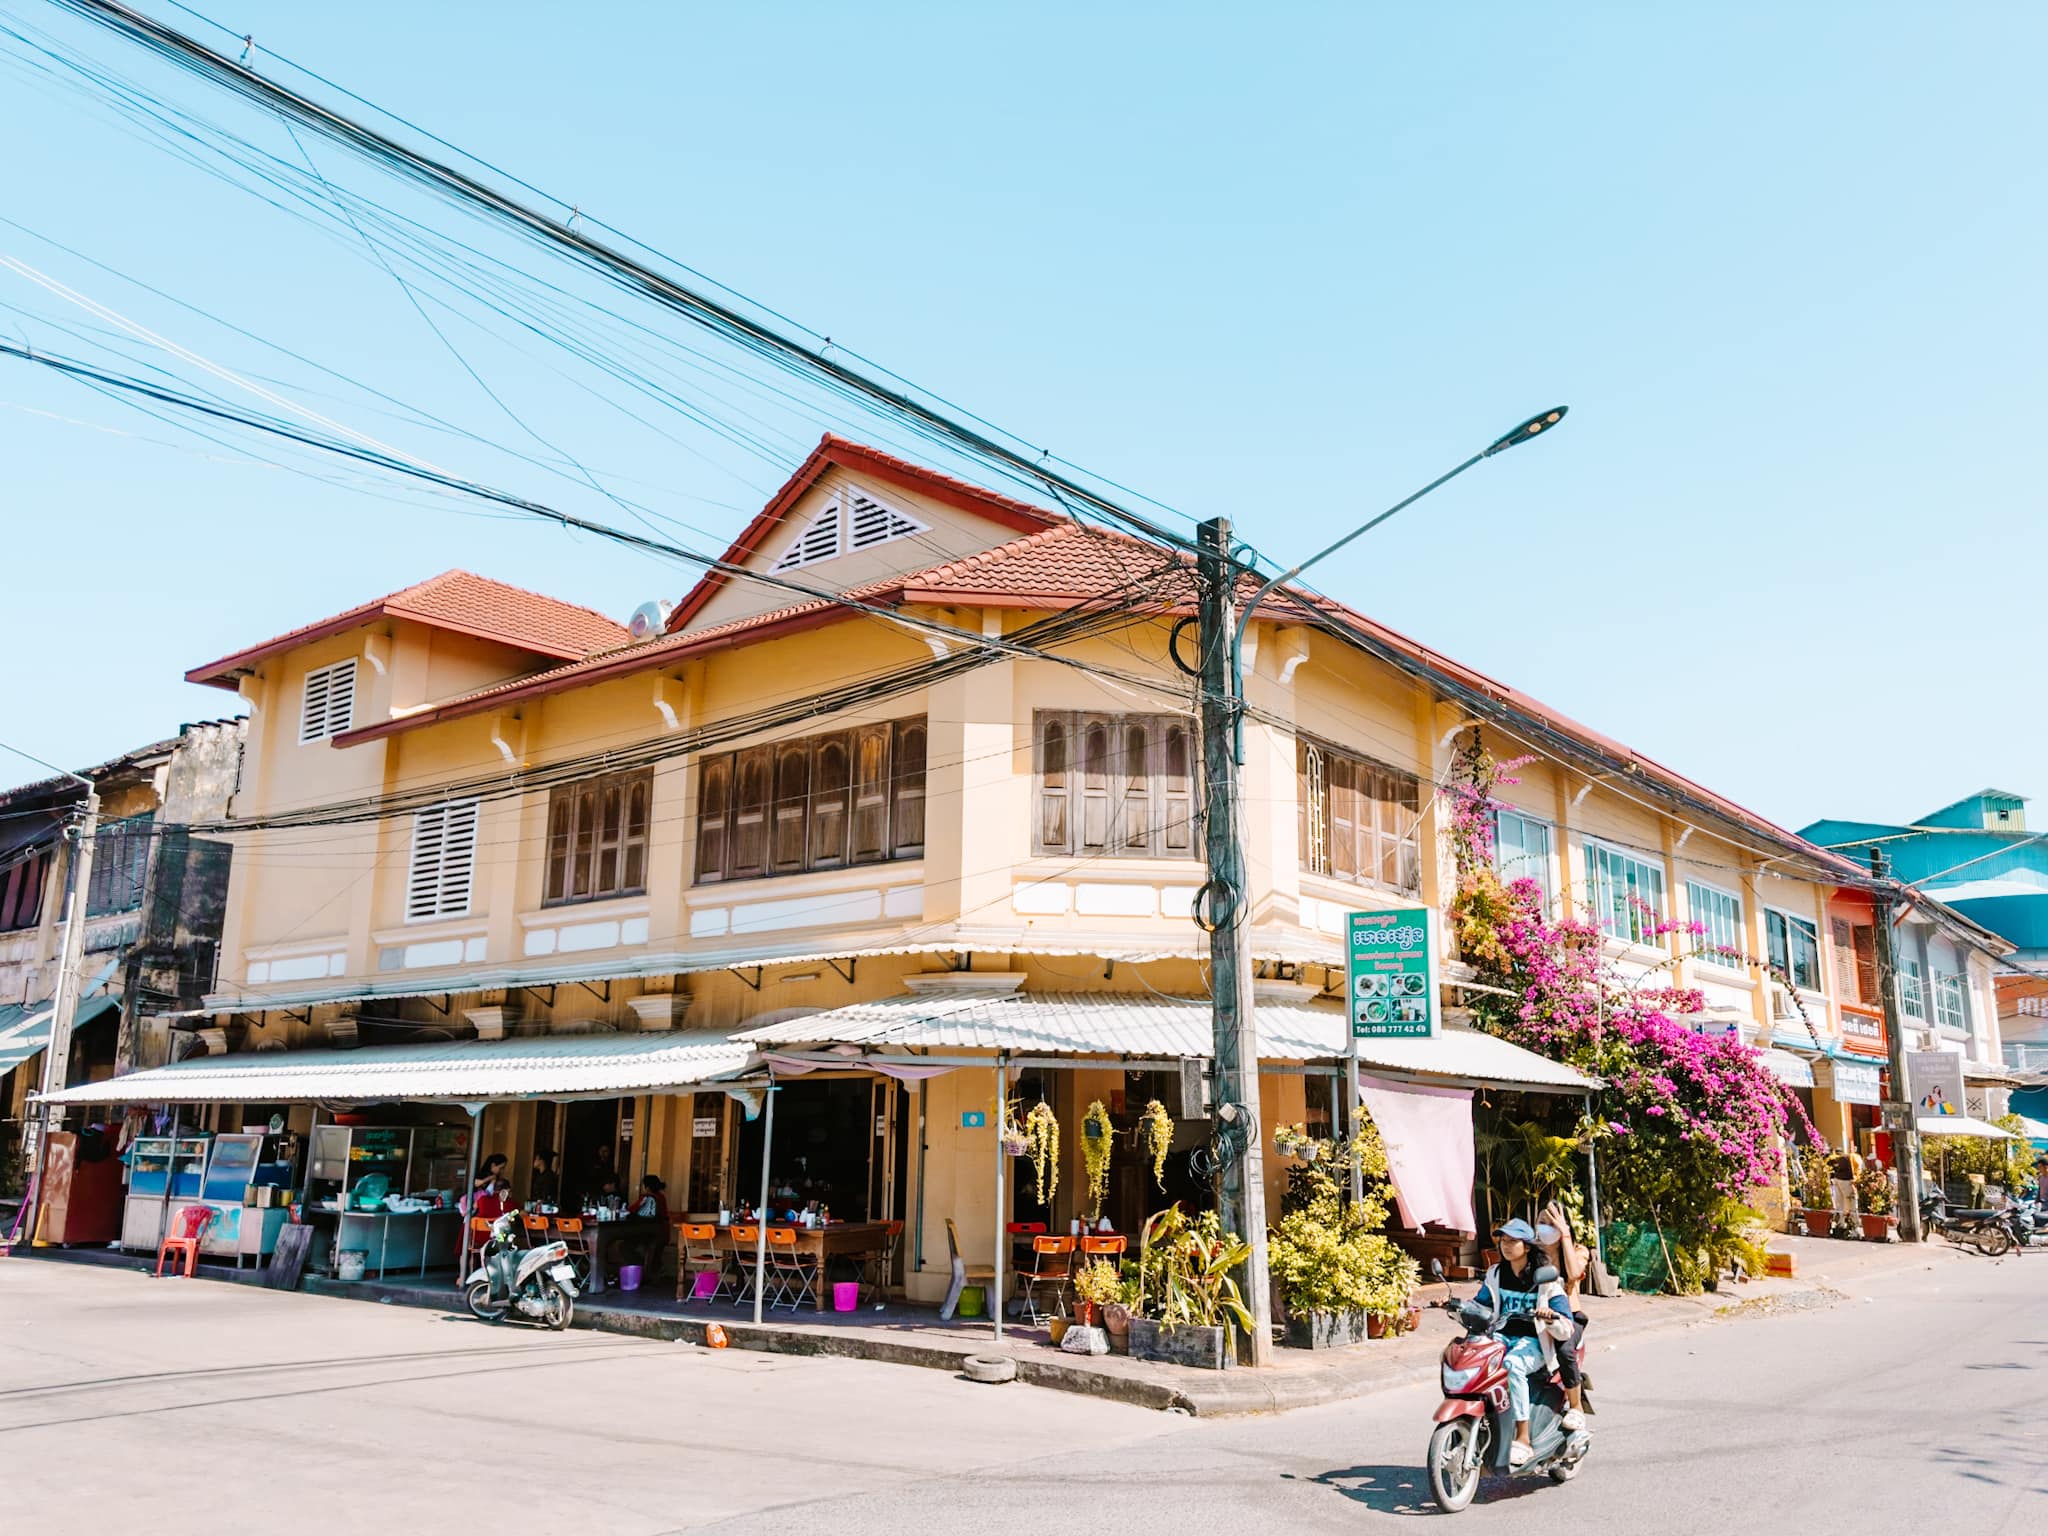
(1547,1275)
(1436,1270)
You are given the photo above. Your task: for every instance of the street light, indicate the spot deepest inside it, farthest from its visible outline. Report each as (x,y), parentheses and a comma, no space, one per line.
(1541,422)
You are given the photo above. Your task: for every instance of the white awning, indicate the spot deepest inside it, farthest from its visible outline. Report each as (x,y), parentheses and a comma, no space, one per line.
(1149,1028)
(1960,1125)
(1793,1071)
(457,1071)
(24,1031)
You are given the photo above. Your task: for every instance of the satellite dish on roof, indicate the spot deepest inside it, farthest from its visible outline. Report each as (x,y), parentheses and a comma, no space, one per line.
(649,619)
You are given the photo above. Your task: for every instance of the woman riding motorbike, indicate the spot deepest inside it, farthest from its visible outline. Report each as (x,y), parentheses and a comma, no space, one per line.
(1532,1316)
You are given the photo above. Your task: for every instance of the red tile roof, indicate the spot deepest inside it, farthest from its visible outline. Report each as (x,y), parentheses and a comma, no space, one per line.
(454,600)
(839,452)
(1057,567)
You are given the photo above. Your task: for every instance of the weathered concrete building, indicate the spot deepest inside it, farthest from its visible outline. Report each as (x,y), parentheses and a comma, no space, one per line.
(153,910)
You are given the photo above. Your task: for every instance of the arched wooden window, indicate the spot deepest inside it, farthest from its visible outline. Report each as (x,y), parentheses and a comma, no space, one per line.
(1095,771)
(1052,785)
(750,813)
(830,782)
(906,798)
(792,802)
(1176,791)
(597,838)
(1114,784)
(1135,771)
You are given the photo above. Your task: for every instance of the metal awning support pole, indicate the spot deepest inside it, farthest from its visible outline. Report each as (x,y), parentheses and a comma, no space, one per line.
(467,1204)
(761,1211)
(1593,1189)
(1352,1111)
(995,1296)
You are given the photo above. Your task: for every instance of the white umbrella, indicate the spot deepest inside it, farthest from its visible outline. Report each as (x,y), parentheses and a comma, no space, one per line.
(1960,1125)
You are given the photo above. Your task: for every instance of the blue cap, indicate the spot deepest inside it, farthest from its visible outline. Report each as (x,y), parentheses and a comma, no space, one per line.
(1516,1228)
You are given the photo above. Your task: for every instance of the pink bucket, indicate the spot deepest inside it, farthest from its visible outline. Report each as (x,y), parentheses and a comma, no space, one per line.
(705,1286)
(845,1295)
(629,1277)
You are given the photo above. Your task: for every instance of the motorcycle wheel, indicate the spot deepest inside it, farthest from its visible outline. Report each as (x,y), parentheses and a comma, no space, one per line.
(1454,1454)
(561,1308)
(1995,1241)
(478,1296)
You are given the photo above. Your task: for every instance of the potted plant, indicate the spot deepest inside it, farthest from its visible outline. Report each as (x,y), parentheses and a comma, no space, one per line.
(1015,1142)
(1816,1192)
(1188,1301)
(1097,1287)
(1339,1278)
(1874,1196)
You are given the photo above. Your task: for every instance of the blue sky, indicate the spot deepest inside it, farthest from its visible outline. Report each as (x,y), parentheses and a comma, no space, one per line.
(1782,262)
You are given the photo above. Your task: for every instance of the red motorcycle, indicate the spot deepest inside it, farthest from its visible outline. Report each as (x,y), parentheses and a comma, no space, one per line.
(1475,1427)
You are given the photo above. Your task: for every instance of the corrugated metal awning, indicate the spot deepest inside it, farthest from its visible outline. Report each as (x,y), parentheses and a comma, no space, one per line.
(1123,1025)
(24,1031)
(1280,948)
(458,1071)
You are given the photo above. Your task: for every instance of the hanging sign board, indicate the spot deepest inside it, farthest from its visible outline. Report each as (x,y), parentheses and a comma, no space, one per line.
(704,1127)
(973,1119)
(1935,1079)
(1850,1082)
(1392,966)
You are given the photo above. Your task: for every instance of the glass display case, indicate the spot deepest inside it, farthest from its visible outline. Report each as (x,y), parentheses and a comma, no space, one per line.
(389,1192)
(165,1173)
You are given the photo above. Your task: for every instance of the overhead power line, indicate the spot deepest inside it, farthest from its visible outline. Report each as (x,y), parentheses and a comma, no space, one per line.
(692,301)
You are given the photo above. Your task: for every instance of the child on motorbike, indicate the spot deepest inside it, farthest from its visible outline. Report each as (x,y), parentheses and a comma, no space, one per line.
(1558,1249)
(1529,1316)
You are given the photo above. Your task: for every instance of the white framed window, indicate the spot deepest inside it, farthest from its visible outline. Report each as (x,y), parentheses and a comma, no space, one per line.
(1794,945)
(1719,913)
(855,520)
(1912,990)
(328,705)
(1624,893)
(1951,1002)
(443,864)
(1521,849)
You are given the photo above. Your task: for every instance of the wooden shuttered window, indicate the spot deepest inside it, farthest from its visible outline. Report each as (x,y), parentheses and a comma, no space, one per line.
(1855,957)
(443,867)
(1357,820)
(327,705)
(21,890)
(817,802)
(120,865)
(597,838)
(1114,784)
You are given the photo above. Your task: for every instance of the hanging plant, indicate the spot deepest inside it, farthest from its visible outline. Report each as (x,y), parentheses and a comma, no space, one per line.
(1156,1126)
(1096,1133)
(1042,1134)
(1015,1142)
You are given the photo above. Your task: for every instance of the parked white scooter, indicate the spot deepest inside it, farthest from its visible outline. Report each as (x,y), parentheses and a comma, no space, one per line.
(536,1285)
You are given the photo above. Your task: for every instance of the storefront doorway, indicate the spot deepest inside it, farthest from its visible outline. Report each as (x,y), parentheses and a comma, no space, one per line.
(834,1145)
(596,1147)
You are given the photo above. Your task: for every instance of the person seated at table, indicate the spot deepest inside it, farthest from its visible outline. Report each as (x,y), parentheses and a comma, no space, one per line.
(546,1184)
(488,1173)
(493,1200)
(653,1201)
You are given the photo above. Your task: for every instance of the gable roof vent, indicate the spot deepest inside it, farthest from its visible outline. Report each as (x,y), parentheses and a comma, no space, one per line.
(818,541)
(873,523)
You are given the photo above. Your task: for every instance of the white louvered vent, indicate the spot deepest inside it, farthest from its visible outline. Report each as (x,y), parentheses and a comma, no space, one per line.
(443,861)
(819,541)
(329,705)
(872,523)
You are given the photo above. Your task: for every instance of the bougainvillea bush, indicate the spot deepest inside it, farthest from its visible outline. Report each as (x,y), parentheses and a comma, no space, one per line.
(1687,1126)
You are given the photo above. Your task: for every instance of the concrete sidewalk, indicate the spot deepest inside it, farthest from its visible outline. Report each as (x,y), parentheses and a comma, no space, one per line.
(904,1335)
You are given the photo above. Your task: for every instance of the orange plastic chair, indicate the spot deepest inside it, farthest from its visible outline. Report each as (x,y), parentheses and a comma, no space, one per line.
(744,1242)
(536,1227)
(192,1224)
(1052,1266)
(795,1273)
(1104,1246)
(699,1255)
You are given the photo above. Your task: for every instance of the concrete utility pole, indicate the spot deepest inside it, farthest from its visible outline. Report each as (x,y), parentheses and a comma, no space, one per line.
(1898,1108)
(70,965)
(1241,1179)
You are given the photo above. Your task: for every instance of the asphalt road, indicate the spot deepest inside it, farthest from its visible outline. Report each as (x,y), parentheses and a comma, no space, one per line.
(1919,1405)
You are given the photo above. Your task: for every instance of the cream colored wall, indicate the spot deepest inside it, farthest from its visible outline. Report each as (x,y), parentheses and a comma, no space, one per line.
(949,535)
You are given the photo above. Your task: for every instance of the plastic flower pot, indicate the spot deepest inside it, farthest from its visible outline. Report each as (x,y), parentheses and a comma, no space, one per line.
(629,1277)
(1877,1229)
(1817,1223)
(845,1295)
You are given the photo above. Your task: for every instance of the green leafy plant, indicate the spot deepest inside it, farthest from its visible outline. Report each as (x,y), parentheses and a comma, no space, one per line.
(1874,1191)
(1042,1140)
(1816,1179)
(1184,1272)
(1155,1125)
(1099,1283)
(1327,1253)
(2006,1163)
(1097,1133)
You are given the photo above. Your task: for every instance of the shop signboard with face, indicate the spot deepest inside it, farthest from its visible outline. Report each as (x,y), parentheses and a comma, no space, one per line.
(1392,971)
(1935,1079)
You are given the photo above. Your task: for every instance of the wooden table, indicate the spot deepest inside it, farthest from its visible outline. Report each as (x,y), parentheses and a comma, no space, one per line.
(842,1239)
